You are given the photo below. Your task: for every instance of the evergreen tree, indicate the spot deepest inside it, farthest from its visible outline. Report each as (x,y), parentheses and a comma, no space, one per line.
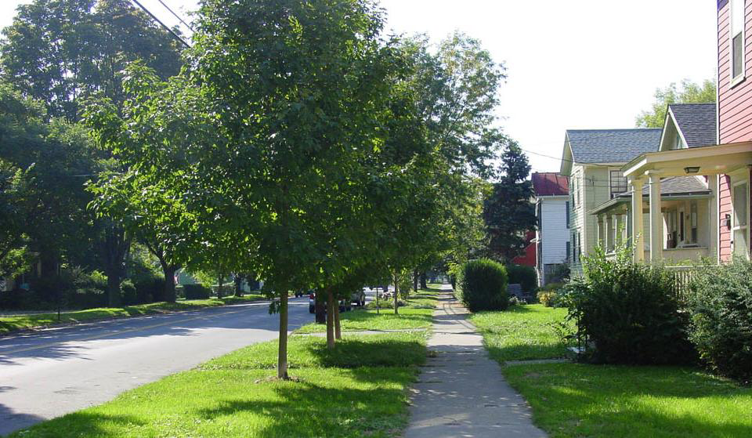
(508,211)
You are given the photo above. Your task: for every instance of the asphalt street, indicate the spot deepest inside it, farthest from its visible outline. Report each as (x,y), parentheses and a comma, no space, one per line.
(52,372)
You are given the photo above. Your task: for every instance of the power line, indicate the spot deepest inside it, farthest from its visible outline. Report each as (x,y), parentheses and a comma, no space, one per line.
(176,16)
(175,35)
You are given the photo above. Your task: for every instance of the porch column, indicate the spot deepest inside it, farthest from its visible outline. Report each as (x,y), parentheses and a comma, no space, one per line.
(656,219)
(611,227)
(638,237)
(715,225)
(606,225)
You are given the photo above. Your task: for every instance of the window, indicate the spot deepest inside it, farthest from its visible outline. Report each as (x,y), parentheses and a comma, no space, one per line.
(568,215)
(737,39)
(569,251)
(617,183)
(740,218)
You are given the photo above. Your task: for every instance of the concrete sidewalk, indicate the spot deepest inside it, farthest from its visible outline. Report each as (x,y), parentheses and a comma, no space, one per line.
(461,392)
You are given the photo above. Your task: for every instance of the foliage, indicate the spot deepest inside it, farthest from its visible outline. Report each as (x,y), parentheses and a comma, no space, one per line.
(484,285)
(547,298)
(507,211)
(61,51)
(688,92)
(196,292)
(628,313)
(525,276)
(720,303)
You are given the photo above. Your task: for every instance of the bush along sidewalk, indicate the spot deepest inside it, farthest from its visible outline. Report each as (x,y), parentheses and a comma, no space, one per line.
(10,324)
(360,388)
(483,285)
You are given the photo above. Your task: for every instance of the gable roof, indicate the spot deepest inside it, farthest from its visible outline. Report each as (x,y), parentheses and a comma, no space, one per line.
(590,146)
(696,122)
(550,184)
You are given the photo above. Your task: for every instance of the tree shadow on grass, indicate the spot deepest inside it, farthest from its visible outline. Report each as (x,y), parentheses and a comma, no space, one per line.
(307,409)
(356,353)
(82,423)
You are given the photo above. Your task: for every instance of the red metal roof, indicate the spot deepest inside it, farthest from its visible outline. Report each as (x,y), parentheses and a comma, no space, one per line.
(550,184)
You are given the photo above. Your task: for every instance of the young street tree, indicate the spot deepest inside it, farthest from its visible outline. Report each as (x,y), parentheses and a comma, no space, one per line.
(274,116)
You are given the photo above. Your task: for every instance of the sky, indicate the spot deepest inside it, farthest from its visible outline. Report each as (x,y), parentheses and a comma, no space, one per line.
(577,64)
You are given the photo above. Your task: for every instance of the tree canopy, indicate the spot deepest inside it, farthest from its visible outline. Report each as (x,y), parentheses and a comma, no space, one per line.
(686,92)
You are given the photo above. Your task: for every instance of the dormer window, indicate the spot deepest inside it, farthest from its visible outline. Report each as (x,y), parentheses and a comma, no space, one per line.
(737,40)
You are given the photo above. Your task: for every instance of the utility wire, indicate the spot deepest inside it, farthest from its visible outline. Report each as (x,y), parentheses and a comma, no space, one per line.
(176,16)
(172,32)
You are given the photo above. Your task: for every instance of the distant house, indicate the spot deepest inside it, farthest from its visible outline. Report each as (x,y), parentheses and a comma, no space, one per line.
(528,257)
(552,236)
(592,160)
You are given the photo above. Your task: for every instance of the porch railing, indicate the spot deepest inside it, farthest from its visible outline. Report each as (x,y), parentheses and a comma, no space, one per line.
(682,277)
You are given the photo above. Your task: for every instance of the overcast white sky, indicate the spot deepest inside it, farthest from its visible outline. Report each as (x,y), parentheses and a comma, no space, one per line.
(574,64)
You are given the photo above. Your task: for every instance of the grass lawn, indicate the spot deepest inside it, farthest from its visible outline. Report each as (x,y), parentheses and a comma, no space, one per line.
(522,332)
(360,389)
(13,323)
(577,400)
(581,400)
(416,314)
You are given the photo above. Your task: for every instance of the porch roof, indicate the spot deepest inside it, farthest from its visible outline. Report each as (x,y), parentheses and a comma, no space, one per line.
(709,160)
(673,188)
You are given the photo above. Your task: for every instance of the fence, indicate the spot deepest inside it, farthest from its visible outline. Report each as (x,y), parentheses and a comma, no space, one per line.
(682,276)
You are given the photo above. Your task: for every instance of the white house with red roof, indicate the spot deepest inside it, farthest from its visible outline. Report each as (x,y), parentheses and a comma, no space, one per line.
(552,236)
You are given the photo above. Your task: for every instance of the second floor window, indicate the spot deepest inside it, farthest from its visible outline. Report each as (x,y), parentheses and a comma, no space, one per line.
(737,39)
(617,183)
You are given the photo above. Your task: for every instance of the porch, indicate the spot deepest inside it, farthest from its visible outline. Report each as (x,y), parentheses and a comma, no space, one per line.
(685,237)
(670,231)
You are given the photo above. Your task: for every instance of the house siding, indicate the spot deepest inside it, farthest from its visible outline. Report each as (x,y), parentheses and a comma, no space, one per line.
(734,103)
(592,183)
(553,234)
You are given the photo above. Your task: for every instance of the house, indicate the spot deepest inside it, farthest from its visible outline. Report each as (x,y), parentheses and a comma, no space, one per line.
(593,161)
(686,200)
(724,164)
(552,236)
(528,256)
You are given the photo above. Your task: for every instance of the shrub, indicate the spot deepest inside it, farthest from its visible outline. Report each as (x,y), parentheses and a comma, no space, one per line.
(525,276)
(720,302)
(484,285)
(196,292)
(128,292)
(551,287)
(547,298)
(628,313)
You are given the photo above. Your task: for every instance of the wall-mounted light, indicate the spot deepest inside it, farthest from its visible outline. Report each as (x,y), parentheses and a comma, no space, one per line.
(728,221)
(689,170)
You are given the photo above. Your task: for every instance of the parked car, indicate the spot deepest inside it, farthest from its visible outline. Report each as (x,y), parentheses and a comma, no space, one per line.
(358,297)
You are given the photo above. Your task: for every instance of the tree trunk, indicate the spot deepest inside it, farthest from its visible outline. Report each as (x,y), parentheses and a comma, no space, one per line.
(415,281)
(282,356)
(220,283)
(329,319)
(337,328)
(114,297)
(238,285)
(423,280)
(320,309)
(169,292)
(396,293)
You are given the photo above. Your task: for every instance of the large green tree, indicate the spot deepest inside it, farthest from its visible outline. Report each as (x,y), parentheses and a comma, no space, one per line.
(58,51)
(687,92)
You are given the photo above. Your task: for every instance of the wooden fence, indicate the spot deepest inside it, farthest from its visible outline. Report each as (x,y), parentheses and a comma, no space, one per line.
(682,276)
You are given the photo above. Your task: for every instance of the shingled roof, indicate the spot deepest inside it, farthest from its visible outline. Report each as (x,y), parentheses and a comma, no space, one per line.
(612,145)
(697,123)
(550,184)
